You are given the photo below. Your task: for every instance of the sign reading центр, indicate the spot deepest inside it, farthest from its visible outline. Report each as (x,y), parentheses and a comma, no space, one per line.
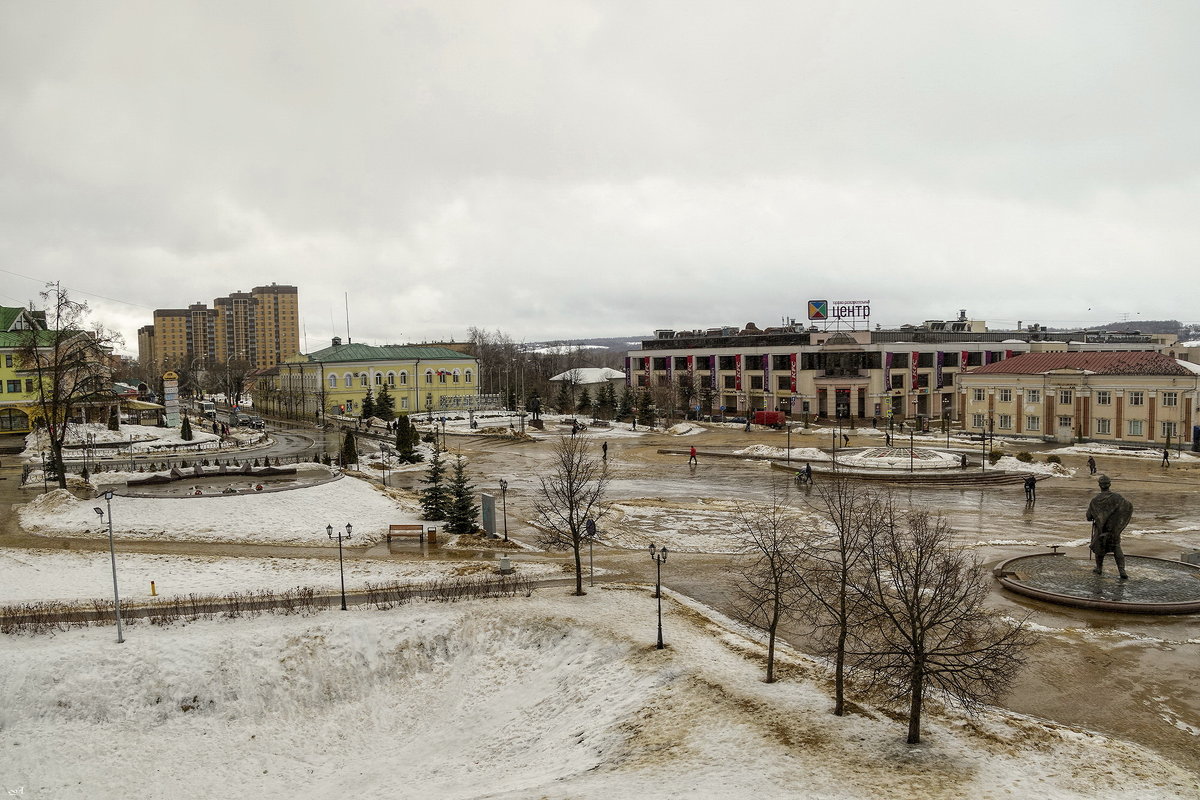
(829,310)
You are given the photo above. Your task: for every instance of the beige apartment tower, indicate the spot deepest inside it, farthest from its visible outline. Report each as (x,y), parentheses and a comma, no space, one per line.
(261,326)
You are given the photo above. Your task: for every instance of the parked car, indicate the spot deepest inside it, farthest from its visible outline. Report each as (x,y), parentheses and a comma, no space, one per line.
(254,422)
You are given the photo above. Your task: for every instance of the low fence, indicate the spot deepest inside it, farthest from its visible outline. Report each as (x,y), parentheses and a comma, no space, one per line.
(51,616)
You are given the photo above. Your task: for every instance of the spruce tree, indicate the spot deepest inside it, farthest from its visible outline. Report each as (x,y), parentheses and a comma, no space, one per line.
(461,510)
(585,401)
(385,405)
(349,450)
(646,410)
(368,405)
(563,401)
(185,430)
(625,406)
(434,498)
(606,401)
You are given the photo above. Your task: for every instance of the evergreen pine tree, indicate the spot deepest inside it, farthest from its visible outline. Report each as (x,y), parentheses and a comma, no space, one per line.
(349,450)
(646,410)
(368,405)
(606,401)
(563,401)
(185,430)
(385,405)
(625,406)
(461,510)
(585,401)
(434,497)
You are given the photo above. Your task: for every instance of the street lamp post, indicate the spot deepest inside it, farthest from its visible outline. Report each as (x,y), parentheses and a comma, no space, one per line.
(910,451)
(789,452)
(504,505)
(341,567)
(112,554)
(659,556)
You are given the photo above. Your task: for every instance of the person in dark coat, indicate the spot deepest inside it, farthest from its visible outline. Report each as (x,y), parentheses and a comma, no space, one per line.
(1109,513)
(1091,465)
(1030,488)
(808,472)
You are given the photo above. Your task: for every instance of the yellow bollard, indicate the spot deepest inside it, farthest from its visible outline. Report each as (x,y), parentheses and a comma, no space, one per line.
(153,591)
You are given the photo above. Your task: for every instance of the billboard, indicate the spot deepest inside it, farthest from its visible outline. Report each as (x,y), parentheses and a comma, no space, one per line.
(839,310)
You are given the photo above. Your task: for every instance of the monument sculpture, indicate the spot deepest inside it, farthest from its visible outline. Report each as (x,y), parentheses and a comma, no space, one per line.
(1109,513)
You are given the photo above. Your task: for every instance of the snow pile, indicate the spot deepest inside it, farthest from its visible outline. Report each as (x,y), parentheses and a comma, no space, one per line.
(797,453)
(1149,451)
(295,517)
(1012,464)
(32,575)
(528,697)
(684,429)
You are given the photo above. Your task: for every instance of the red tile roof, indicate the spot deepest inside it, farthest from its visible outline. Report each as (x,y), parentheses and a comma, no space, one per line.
(1123,363)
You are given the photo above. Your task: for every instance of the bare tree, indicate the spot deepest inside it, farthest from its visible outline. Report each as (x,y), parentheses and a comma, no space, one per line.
(69,366)
(767,589)
(832,567)
(232,381)
(571,495)
(927,624)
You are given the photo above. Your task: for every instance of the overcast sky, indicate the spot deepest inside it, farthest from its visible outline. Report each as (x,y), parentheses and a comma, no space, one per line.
(567,169)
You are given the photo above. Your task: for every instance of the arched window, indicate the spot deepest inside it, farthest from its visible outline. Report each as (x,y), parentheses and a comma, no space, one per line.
(333,381)
(379,379)
(467,376)
(349,380)
(456,376)
(403,378)
(441,376)
(391,379)
(428,376)
(362,379)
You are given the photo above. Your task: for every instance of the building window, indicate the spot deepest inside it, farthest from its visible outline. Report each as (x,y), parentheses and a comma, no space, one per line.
(333,381)
(14,386)
(1136,398)
(1168,430)
(897,381)
(1065,422)
(783,382)
(378,379)
(1104,398)
(441,376)
(349,381)
(456,376)
(730,381)
(362,379)
(1005,422)
(1033,395)
(1033,423)
(977,395)
(1064,397)
(428,377)
(391,379)
(1006,396)
(404,402)
(8,360)
(977,420)
(1103,426)
(467,376)
(1170,398)
(404,379)
(29,385)
(756,382)
(1136,427)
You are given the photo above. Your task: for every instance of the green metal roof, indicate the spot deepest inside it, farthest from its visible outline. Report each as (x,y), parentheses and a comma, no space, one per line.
(391,352)
(8,315)
(19,338)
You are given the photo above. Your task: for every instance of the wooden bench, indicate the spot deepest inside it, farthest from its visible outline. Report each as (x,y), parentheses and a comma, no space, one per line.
(407,530)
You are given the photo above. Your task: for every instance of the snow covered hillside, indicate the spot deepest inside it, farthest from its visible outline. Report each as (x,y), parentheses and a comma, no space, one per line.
(548,696)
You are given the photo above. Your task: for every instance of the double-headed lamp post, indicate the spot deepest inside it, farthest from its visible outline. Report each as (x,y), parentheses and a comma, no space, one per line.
(341,568)
(504,505)
(112,554)
(659,555)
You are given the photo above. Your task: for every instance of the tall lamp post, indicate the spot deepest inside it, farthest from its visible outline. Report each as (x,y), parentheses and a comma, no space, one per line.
(504,505)
(341,568)
(112,554)
(590,534)
(660,556)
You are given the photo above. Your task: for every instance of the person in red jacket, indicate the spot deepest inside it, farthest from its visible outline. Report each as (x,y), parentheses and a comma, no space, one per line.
(692,457)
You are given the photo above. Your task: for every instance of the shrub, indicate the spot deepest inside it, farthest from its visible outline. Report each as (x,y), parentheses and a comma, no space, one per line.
(1053,459)
(995,456)
(1025,457)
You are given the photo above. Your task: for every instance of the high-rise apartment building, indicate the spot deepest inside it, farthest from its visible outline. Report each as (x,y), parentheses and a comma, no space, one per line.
(261,326)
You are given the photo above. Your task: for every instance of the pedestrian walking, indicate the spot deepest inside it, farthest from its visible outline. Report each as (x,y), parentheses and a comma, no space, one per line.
(747,424)
(808,473)
(963,461)
(845,440)
(692,457)
(1030,488)
(1091,465)
(604,452)
(1166,462)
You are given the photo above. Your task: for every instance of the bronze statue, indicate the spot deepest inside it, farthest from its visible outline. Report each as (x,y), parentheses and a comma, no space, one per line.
(1109,513)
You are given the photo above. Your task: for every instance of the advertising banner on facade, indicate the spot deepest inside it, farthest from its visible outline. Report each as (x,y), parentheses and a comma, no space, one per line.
(628,371)
(962,361)
(792,358)
(941,362)
(646,362)
(766,373)
(737,372)
(712,371)
(915,358)
(887,372)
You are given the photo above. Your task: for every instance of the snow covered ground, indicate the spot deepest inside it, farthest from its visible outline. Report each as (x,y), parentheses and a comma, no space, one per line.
(33,575)
(142,438)
(546,696)
(292,517)
(1150,452)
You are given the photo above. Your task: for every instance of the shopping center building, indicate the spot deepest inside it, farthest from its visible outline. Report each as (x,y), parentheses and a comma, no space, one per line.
(834,370)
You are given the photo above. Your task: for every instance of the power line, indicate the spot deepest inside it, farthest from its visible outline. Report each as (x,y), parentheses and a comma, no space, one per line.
(78,291)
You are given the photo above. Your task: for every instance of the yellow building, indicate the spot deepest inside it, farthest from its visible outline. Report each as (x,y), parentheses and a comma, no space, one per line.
(335,380)
(1135,398)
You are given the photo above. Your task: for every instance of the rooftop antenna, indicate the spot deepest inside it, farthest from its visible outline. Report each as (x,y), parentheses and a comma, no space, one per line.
(304,329)
(348,339)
